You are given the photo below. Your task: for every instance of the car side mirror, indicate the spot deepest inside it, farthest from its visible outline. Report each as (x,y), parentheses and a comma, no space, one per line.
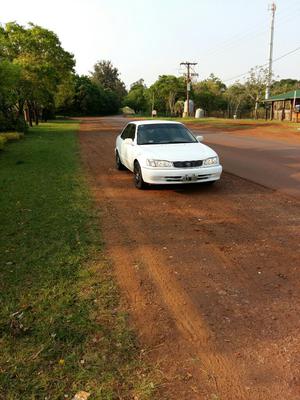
(128,141)
(199,138)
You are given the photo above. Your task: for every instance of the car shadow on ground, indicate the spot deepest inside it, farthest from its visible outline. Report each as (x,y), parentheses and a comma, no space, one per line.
(191,188)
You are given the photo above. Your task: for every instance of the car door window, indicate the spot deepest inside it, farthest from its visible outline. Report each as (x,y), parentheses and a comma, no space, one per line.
(132,132)
(126,132)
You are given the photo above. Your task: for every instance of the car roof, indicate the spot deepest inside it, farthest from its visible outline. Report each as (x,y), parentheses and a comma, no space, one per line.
(153,122)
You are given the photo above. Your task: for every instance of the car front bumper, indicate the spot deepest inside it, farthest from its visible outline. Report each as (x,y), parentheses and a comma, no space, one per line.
(181,175)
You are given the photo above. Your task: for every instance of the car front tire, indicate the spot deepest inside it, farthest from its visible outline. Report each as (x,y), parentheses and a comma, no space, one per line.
(209,183)
(138,177)
(119,164)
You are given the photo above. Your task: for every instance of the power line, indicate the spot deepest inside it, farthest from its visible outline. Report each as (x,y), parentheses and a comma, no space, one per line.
(239,39)
(263,65)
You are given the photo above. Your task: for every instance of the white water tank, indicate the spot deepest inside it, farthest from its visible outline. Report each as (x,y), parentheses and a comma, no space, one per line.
(199,113)
(191,107)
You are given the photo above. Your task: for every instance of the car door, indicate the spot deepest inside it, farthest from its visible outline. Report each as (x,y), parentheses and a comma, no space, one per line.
(127,149)
(130,149)
(122,148)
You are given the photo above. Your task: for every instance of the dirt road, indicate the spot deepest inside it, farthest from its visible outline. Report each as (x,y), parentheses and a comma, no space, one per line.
(210,277)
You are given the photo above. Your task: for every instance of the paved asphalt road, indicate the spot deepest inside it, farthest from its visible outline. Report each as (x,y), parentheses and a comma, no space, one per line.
(272,163)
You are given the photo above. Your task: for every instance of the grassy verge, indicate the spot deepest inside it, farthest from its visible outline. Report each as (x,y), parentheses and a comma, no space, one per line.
(61,330)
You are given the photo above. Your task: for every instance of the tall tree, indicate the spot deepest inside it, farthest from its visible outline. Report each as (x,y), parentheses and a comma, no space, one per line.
(87,99)
(166,91)
(107,76)
(136,98)
(44,64)
(237,99)
(255,86)
(10,79)
(209,94)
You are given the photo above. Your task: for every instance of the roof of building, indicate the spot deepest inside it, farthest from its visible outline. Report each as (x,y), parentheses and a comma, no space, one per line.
(285,96)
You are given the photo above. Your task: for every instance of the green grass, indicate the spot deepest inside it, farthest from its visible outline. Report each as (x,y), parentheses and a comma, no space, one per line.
(61,330)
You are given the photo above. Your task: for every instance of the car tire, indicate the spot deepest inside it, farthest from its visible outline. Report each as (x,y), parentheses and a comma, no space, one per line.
(119,164)
(138,178)
(209,183)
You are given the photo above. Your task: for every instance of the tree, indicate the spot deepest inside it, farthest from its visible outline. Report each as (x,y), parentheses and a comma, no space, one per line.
(284,85)
(65,94)
(107,76)
(81,96)
(209,94)
(255,86)
(88,99)
(136,98)
(166,91)
(9,78)
(237,99)
(43,63)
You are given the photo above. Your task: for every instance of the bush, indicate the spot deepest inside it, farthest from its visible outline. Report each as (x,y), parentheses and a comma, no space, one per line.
(21,125)
(2,142)
(11,135)
(12,123)
(4,137)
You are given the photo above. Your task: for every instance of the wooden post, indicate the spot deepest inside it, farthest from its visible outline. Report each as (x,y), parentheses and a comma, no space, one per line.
(283,112)
(271,111)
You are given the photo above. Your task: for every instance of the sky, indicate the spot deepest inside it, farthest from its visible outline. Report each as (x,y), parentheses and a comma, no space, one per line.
(145,39)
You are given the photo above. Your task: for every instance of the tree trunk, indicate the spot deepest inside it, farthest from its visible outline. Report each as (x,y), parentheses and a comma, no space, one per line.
(237,108)
(29,105)
(36,114)
(256,108)
(153,101)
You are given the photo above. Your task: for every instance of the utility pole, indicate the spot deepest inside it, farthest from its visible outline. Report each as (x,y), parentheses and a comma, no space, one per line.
(188,65)
(272,8)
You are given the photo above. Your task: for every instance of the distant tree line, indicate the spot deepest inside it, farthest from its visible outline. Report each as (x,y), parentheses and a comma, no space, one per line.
(245,99)
(37,80)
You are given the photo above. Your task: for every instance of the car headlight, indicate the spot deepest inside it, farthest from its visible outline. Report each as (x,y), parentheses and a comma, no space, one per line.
(211,161)
(159,163)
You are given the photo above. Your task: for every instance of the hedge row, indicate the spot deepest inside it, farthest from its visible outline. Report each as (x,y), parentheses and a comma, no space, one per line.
(4,137)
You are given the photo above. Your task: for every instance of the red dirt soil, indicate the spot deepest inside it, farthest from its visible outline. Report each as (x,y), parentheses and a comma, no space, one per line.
(209,275)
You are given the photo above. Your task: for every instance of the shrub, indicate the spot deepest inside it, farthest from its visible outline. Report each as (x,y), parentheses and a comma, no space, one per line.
(12,123)
(2,142)
(21,125)
(4,137)
(11,135)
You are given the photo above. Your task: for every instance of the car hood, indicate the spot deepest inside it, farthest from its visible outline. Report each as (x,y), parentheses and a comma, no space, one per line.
(177,152)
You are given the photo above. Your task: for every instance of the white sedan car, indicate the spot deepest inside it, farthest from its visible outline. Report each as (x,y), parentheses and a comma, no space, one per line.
(163,152)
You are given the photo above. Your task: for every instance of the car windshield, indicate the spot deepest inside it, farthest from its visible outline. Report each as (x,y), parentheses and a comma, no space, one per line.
(163,134)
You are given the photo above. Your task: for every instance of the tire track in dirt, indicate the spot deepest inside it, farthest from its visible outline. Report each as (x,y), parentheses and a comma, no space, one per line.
(180,306)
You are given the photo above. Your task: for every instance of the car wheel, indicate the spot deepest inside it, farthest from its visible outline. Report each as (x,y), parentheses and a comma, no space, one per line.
(119,164)
(138,178)
(209,183)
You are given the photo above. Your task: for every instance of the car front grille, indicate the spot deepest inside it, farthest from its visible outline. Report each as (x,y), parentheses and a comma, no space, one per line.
(187,164)
(182,178)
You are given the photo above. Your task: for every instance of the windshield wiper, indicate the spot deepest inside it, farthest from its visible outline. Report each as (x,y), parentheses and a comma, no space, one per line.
(174,142)
(178,141)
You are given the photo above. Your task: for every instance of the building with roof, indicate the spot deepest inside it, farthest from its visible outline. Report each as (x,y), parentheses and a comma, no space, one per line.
(285,107)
